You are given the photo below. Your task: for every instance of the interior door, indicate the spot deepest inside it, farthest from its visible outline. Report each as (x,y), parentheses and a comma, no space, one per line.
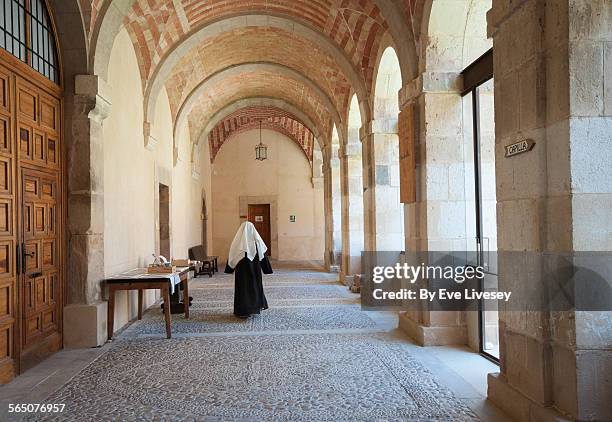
(38,117)
(259,215)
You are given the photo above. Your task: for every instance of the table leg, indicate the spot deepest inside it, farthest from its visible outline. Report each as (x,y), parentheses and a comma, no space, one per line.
(140,292)
(186,297)
(110,318)
(166,293)
(216,265)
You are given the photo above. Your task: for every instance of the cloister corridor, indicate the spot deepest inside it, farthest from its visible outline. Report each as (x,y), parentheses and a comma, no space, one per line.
(313,356)
(319,210)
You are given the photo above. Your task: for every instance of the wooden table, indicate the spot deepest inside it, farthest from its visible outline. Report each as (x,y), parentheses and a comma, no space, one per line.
(140,280)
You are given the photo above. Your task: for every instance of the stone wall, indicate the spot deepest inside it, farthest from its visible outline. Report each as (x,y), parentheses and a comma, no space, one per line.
(551,86)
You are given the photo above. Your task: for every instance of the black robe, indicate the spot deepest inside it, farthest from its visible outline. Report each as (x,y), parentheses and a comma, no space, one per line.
(249,297)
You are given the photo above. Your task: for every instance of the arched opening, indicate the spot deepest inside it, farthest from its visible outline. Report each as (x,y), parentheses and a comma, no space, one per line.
(352,193)
(389,212)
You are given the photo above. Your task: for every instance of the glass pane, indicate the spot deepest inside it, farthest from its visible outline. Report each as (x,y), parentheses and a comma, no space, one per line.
(488,218)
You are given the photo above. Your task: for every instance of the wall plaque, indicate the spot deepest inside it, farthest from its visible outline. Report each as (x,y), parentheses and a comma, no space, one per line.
(519,147)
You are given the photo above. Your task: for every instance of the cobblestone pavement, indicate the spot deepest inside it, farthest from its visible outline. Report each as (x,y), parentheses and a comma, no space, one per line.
(313,356)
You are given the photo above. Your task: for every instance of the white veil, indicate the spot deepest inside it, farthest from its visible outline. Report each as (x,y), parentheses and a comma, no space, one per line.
(247,240)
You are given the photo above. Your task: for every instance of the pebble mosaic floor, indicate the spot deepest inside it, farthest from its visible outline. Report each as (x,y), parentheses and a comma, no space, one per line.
(313,356)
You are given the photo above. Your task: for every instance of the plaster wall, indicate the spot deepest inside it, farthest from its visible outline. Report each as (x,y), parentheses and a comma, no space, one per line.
(132,174)
(285,179)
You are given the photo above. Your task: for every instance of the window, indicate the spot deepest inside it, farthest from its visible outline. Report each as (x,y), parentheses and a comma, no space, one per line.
(26,33)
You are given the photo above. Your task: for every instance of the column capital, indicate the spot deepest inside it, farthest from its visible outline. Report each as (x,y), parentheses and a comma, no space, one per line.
(150,142)
(93,95)
(429,82)
(350,151)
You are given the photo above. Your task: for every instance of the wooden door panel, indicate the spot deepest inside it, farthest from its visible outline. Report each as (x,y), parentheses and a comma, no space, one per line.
(6,259)
(27,102)
(5,343)
(49,114)
(52,146)
(38,147)
(48,254)
(5,134)
(6,217)
(5,91)
(6,176)
(25,142)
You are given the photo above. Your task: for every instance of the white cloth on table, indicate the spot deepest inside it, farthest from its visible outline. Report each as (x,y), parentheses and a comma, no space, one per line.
(173,278)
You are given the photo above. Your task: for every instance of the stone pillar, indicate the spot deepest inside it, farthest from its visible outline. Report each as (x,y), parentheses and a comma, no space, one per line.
(336,212)
(352,209)
(85,313)
(333,220)
(384,219)
(327,203)
(553,84)
(436,221)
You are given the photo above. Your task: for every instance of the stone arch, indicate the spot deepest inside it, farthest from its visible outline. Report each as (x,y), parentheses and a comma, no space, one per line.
(402,37)
(167,63)
(193,96)
(451,47)
(103,33)
(385,211)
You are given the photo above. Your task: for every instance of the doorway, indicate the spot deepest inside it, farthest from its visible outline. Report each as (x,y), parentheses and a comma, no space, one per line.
(480,189)
(259,215)
(164,220)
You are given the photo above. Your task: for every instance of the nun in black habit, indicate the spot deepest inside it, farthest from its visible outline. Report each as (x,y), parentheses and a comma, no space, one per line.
(247,260)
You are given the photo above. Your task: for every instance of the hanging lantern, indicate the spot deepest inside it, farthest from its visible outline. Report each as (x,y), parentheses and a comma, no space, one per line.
(261,150)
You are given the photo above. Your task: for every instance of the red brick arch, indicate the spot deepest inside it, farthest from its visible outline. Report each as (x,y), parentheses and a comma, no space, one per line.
(157,25)
(258,84)
(271,118)
(253,44)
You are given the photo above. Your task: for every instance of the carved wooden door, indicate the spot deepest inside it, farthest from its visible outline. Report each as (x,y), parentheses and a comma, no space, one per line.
(38,118)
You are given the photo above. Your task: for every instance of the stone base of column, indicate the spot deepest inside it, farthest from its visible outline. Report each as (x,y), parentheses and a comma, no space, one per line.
(85,325)
(433,335)
(518,406)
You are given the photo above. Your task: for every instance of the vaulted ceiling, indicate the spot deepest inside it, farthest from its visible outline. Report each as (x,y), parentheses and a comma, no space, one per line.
(310,56)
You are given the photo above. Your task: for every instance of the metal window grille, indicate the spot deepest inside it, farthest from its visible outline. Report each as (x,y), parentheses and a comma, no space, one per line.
(26,33)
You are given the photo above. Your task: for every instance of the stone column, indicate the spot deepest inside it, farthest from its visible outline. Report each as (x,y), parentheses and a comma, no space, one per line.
(327,202)
(85,313)
(436,221)
(384,225)
(336,212)
(352,209)
(553,84)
